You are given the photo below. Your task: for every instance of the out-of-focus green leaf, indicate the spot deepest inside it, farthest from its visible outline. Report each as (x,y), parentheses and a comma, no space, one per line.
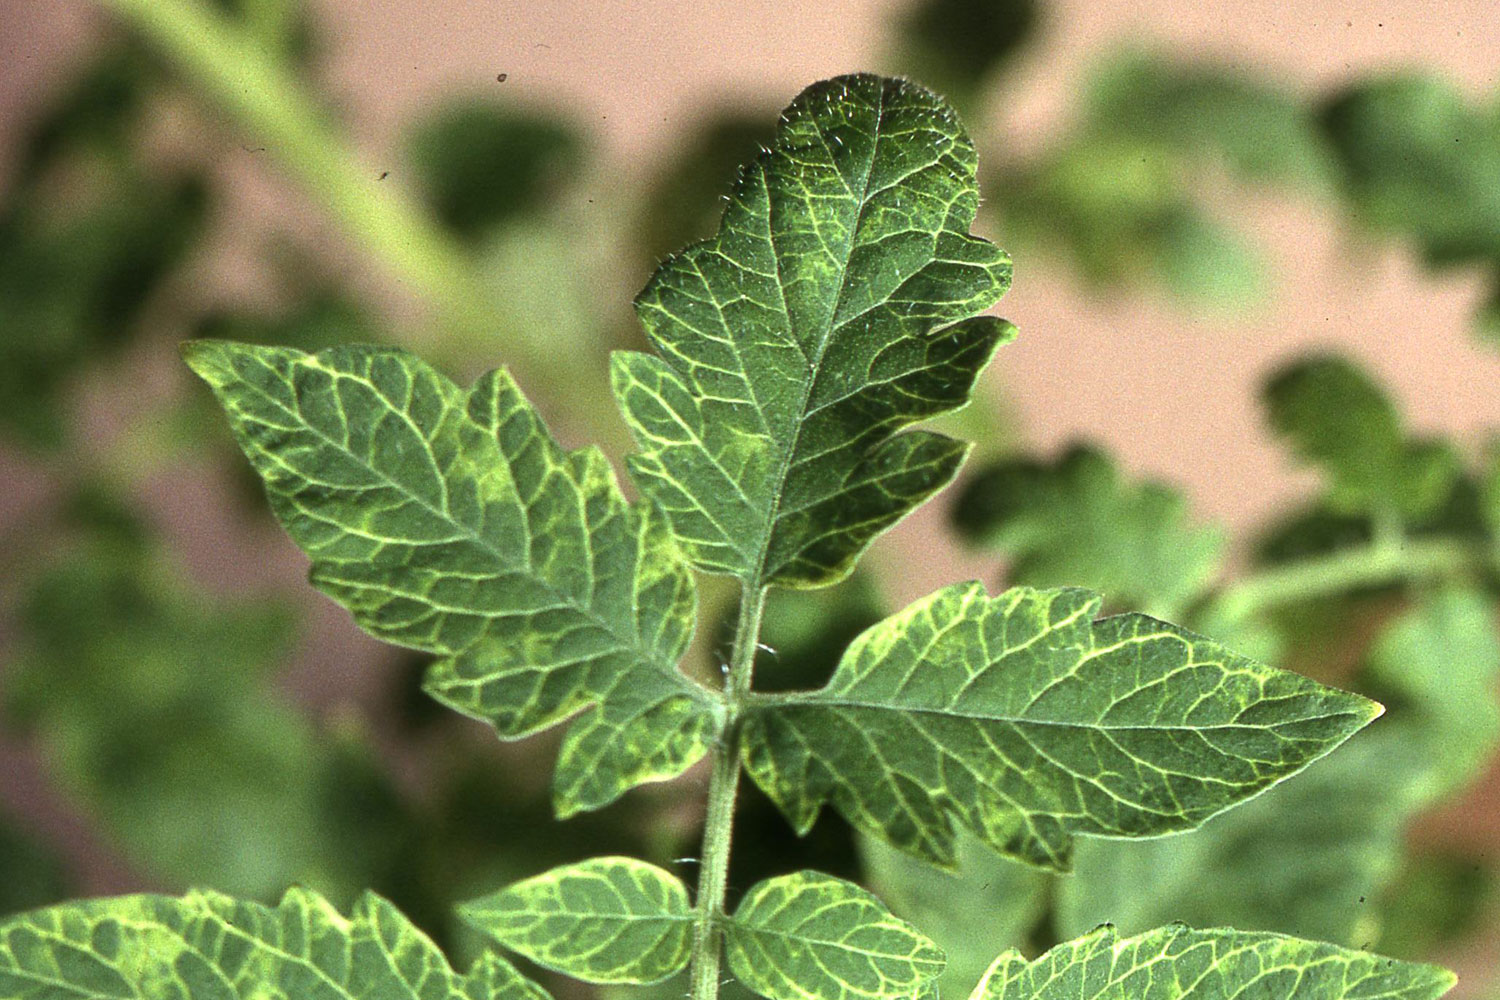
(809,935)
(959,46)
(1025,721)
(1120,209)
(836,306)
(1419,161)
(208,946)
(687,197)
(1313,855)
(151,704)
(1179,963)
(605,920)
(1434,902)
(987,903)
(481,165)
(1334,416)
(450,521)
(1077,523)
(1203,112)
(1441,663)
(30,875)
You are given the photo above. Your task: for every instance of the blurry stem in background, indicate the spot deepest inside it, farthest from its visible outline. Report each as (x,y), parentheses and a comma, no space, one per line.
(275,111)
(1405,561)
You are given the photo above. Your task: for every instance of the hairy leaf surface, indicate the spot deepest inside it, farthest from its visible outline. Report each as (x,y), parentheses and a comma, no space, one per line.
(451,522)
(1024,720)
(207,946)
(1074,523)
(811,935)
(1178,963)
(605,920)
(833,309)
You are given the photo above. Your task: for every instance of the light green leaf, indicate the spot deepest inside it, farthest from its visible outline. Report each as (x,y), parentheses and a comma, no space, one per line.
(832,309)
(451,522)
(1075,523)
(1308,857)
(1178,963)
(1025,721)
(1313,855)
(1443,661)
(605,920)
(207,946)
(810,935)
(986,903)
(1335,417)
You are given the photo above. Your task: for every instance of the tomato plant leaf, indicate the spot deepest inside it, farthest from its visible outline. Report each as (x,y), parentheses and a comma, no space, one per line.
(833,309)
(1313,855)
(1334,416)
(812,935)
(451,522)
(208,946)
(1075,523)
(605,920)
(1178,963)
(1024,720)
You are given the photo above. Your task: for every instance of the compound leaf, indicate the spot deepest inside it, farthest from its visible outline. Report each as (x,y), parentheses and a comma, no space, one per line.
(451,522)
(605,920)
(1178,963)
(812,935)
(1075,523)
(207,946)
(1335,417)
(833,309)
(1024,720)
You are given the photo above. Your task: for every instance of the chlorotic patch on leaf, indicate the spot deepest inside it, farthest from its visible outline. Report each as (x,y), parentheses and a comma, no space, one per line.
(1026,721)
(835,307)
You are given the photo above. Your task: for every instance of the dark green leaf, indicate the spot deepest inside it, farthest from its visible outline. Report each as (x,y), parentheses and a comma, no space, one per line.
(959,46)
(605,920)
(482,165)
(451,522)
(824,317)
(1025,721)
(207,946)
(810,935)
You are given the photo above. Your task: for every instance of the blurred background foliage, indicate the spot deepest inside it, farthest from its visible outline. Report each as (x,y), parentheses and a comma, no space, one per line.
(159,705)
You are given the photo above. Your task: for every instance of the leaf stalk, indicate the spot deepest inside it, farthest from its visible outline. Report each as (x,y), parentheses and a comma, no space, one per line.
(723,789)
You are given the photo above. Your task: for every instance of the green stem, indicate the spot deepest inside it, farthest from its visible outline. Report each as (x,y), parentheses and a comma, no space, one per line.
(1372,565)
(723,788)
(272,108)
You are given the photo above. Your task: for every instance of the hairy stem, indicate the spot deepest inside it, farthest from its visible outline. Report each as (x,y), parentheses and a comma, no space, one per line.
(723,788)
(271,108)
(1410,561)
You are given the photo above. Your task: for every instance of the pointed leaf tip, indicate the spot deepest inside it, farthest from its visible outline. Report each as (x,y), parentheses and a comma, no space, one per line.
(1027,721)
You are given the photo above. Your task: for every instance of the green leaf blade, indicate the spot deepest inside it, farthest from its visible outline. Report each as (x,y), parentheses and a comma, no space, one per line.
(1026,722)
(835,307)
(811,935)
(451,522)
(605,920)
(1179,963)
(207,946)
